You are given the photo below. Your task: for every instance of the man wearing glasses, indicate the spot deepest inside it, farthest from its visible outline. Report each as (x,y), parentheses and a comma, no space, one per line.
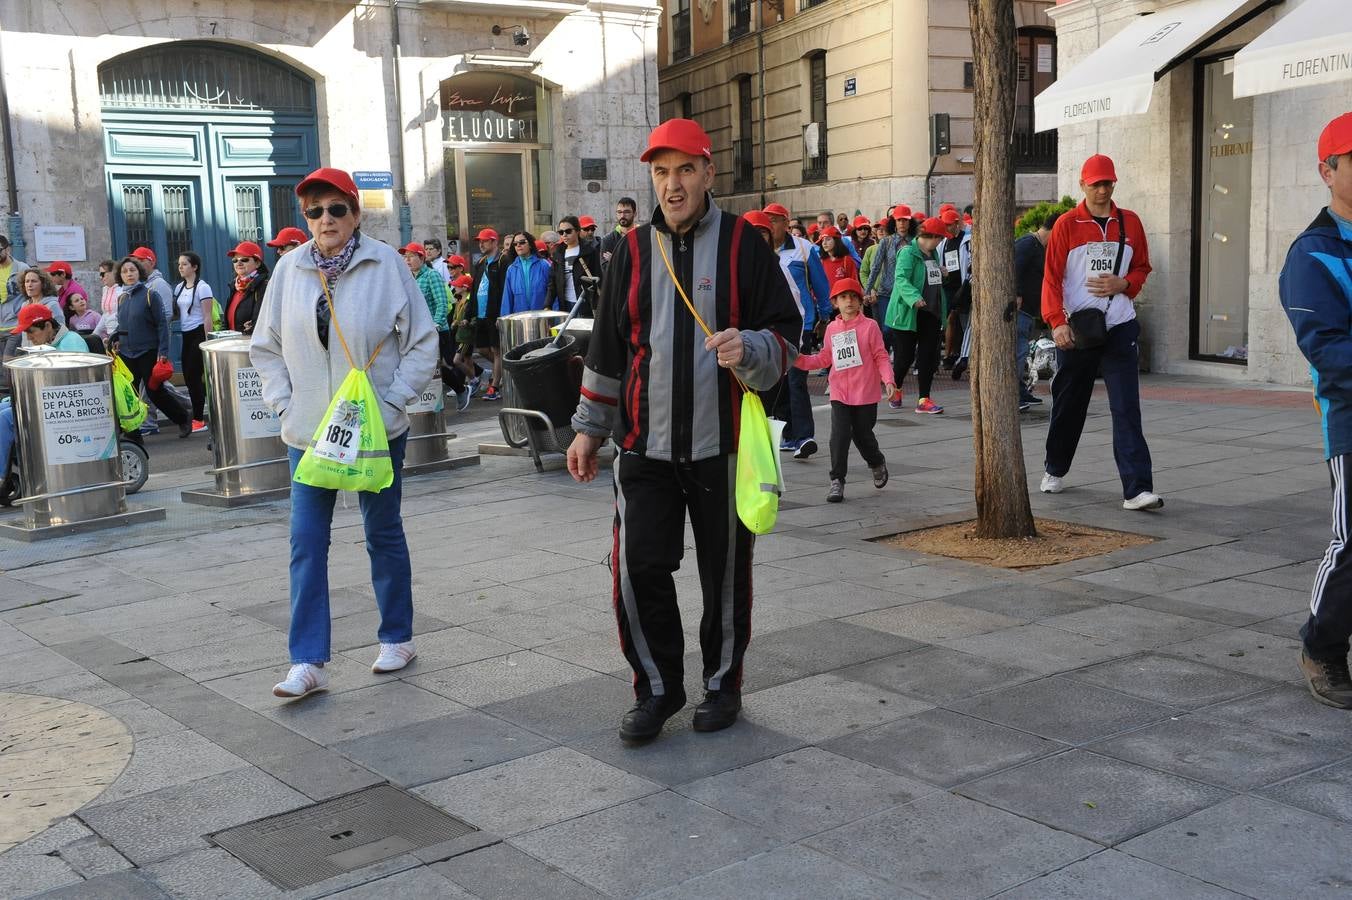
(11,295)
(625,211)
(490,271)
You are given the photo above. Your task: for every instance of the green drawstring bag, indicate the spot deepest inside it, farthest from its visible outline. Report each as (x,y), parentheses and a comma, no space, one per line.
(350,450)
(760,480)
(127,403)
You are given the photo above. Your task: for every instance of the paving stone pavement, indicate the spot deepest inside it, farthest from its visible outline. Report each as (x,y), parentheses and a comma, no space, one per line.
(1127,726)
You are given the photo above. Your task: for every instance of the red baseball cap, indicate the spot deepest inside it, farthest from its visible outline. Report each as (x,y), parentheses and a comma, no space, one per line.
(586,222)
(1336,138)
(935,227)
(487,234)
(246,248)
(757,219)
(541,245)
(846,285)
(966,219)
(62,267)
(31,314)
(813,228)
(831,231)
(462,281)
(457,260)
(901,211)
(413,247)
(861,222)
(949,216)
(334,178)
(919,216)
(777,209)
(683,135)
(882,223)
(945,207)
(144,253)
(288,235)
(1098,168)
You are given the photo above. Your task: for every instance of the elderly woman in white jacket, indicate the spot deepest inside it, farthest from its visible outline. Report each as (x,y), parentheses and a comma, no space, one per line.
(296,349)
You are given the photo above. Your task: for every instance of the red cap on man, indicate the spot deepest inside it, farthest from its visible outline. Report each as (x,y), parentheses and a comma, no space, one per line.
(949,216)
(1336,138)
(413,247)
(586,222)
(288,235)
(846,285)
(919,216)
(945,207)
(144,253)
(456,260)
(776,209)
(813,228)
(246,248)
(487,234)
(757,219)
(32,314)
(462,281)
(334,178)
(540,245)
(934,227)
(62,267)
(1098,168)
(683,135)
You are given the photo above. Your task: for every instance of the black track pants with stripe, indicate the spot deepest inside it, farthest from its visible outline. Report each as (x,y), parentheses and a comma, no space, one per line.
(1330,624)
(651,501)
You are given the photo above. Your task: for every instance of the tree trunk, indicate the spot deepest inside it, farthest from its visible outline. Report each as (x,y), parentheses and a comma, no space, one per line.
(1002,507)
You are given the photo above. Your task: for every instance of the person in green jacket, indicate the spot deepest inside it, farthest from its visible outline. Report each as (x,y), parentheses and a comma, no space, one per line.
(917,310)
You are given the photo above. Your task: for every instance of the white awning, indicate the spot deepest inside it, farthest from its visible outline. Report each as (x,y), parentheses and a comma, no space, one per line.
(1118,77)
(1311,44)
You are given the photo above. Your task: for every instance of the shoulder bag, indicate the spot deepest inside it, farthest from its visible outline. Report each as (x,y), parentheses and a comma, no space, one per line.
(1089,326)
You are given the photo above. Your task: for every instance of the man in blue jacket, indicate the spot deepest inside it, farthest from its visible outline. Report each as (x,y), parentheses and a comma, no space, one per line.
(801,263)
(1316,292)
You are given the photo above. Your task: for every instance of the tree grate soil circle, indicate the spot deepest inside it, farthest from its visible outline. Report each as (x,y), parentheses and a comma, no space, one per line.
(1056,542)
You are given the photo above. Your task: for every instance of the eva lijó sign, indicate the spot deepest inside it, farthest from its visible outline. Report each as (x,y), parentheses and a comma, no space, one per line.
(490,107)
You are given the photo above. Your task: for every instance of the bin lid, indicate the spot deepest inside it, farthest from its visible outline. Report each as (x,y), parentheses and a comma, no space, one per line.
(59,359)
(227,344)
(537,314)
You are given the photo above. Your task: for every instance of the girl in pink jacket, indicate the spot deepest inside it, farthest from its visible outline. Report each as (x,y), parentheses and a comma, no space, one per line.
(853,349)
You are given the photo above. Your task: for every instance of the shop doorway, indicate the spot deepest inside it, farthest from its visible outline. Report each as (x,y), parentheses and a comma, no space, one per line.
(1223,164)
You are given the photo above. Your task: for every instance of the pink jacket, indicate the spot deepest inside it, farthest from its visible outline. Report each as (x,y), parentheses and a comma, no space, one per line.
(859,385)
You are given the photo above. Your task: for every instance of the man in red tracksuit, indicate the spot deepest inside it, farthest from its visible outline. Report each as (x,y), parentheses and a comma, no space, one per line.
(1097,262)
(664,392)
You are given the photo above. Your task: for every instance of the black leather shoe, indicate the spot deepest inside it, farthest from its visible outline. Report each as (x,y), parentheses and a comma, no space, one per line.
(718,711)
(644,722)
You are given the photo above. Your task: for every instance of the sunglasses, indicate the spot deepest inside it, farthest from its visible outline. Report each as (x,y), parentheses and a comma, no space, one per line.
(241,259)
(337,210)
(565,231)
(522,243)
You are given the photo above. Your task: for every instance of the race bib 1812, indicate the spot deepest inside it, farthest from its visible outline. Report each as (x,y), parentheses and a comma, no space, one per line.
(342,435)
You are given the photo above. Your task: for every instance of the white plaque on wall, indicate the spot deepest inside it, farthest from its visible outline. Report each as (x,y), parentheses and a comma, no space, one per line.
(64,242)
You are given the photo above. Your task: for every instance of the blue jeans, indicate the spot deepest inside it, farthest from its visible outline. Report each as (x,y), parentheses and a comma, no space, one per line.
(391,571)
(1072,388)
(1024,331)
(6,434)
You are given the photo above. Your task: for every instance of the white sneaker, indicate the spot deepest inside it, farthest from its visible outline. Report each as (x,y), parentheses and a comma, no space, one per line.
(304,678)
(1144,500)
(393,657)
(1051,484)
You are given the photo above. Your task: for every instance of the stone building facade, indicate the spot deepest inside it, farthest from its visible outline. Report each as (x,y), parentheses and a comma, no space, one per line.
(826,104)
(1223,184)
(185,123)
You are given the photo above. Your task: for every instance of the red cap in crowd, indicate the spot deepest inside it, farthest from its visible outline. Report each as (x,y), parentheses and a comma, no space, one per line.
(901,211)
(462,281)
(919,216)
(32,314)
(586,222)
(487,234)
(457,260)
(144,253)
(683,135)
(846,285)
(776,209)
(949,216)
(541,245)
(288,235)
(334,178)
(757,219)
(1098,168)
(945,207)
(831,231)
(861,222)
(813,228)
(881,223)
(413,247)
(1336,138)
(934,227)
(966,219)
(246,248)
(62,267)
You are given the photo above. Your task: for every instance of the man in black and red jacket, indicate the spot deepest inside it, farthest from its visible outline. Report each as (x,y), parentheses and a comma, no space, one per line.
(664,392)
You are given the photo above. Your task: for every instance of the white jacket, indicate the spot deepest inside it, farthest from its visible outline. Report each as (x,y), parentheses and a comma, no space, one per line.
(376,302)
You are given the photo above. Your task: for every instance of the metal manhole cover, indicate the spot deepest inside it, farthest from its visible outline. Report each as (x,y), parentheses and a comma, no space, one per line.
(327,839)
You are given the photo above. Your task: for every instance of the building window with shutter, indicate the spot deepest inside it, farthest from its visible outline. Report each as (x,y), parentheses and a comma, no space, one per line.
(814,135)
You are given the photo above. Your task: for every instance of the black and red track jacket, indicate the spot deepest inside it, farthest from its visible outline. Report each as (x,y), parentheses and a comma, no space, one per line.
(649,382)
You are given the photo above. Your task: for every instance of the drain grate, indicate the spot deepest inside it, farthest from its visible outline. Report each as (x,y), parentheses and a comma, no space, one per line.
(327,839)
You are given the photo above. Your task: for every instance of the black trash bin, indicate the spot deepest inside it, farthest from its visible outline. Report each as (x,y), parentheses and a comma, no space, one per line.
(549,383)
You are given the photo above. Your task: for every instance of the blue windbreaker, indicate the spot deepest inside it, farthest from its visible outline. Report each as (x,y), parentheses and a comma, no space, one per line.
(1316,292)
(801,262)
(524,291)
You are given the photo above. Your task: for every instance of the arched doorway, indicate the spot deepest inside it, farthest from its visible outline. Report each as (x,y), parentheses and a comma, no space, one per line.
(204,144)
(496,138)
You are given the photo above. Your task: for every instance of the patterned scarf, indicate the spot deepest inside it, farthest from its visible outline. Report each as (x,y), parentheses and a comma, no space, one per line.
(335,265)
(242,281)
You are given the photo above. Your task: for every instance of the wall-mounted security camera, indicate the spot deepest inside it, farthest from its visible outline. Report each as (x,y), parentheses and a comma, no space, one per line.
(520,37)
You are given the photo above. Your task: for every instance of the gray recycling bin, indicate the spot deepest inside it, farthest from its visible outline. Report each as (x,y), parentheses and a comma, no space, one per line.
(246,436)
(513,331)
(426,450)
(69,462)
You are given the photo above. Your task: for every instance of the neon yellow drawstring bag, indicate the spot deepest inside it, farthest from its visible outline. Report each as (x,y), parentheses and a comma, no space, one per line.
(350,450)
(760,479)
(127,403)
